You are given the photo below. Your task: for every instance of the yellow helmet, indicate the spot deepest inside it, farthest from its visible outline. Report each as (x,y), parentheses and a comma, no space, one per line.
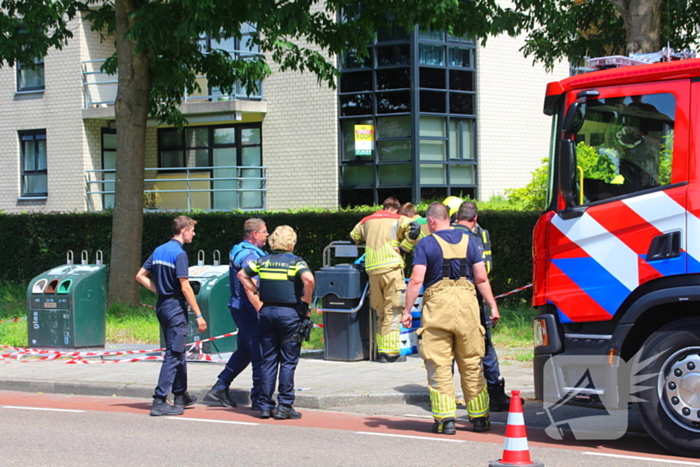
(453,203)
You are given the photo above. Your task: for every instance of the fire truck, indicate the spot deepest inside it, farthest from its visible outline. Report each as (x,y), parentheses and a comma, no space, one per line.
(617,250)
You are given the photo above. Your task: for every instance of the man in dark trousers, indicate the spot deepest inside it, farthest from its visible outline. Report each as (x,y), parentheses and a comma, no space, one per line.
(467,220)
(166,272)
(285,290)
(245,315)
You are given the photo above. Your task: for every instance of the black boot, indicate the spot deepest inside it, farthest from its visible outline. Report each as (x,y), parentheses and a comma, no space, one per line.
(160,408)
(498,400)
(445,427)
(183,400)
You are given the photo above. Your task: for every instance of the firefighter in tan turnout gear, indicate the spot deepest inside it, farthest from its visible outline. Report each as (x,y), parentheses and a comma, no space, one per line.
(382,234)
(449,265)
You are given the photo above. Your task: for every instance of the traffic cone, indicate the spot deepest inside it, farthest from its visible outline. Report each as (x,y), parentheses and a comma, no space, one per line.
(515,449)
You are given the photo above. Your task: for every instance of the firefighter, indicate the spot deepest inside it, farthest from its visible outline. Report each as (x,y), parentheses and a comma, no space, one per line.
(382,233)
(449,265)
(286,288)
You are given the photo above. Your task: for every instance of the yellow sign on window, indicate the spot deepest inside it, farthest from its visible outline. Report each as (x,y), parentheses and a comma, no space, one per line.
(364,140)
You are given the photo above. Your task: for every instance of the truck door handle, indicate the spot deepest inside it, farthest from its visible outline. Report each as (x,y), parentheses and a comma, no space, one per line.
(665,246)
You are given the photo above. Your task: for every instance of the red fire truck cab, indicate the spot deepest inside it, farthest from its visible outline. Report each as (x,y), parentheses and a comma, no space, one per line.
(617,249)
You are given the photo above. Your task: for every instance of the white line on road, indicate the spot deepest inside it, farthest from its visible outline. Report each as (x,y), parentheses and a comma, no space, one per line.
(410,437)
(212,421)
(637,458)
(41,408)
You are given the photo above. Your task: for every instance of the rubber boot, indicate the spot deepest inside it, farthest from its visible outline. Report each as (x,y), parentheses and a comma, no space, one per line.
(498,400)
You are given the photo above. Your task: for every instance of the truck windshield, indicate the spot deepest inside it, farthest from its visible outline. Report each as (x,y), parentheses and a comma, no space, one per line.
(624,145)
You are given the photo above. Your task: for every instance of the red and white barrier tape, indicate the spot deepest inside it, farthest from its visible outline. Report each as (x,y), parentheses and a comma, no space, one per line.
(13,320)
(519,289)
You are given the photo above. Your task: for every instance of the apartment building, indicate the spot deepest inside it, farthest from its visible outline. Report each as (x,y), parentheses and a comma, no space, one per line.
(447,117)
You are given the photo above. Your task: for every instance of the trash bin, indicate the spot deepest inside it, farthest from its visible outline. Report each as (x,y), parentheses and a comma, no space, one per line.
(342,290)
(212,290)
(66,305)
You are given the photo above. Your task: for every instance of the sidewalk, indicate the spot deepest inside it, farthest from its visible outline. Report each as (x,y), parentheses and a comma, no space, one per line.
(320,383)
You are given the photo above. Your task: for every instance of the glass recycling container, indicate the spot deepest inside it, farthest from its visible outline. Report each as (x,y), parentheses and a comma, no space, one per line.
(66,305)
(212,290)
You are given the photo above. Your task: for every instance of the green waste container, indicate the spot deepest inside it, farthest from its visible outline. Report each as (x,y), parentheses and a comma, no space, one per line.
(212,289)
(66,305)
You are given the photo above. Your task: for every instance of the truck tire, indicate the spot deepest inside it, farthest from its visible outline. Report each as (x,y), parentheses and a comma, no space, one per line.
(667,369)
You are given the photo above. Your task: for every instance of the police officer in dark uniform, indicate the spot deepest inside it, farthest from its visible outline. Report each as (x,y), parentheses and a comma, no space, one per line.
(245,315)
(166,273)
(286,288)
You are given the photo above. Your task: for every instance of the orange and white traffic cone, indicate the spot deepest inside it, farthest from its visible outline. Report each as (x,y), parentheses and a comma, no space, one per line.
(515,450)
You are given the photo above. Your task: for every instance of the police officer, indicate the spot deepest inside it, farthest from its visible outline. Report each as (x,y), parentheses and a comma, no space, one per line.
(166,273)
(245,315)
(285,290)
(449,265)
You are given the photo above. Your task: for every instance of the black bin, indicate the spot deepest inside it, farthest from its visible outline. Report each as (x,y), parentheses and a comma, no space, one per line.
(342,290)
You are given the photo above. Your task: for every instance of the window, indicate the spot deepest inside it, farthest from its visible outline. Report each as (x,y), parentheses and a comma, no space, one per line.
(230,152)
(625,145)
(33,155)
(31,78)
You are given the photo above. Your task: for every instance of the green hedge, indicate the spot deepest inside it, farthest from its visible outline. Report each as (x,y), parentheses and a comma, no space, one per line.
(37,242)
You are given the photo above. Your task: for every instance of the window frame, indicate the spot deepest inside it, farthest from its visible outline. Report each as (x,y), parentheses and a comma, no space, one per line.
(39,65)
(25,173)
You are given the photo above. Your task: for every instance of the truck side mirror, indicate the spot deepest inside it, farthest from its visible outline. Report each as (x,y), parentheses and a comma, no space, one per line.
(567,162)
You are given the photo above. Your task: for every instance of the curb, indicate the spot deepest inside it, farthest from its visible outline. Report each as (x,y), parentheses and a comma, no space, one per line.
(240,396)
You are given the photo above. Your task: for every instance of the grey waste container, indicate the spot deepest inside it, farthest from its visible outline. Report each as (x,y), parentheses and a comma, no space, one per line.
(342,290)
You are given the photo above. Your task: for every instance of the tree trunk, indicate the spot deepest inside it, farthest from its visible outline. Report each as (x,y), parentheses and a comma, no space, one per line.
(642,20)
(131,110)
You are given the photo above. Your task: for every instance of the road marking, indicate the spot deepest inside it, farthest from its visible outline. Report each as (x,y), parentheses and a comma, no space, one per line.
(212,421)
(410,437)
(41,408)
(637,458)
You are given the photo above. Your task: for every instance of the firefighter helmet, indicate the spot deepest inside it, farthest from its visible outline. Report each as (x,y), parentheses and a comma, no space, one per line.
(453,203)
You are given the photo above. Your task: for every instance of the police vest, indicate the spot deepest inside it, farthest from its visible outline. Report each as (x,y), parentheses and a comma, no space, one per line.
(280,277)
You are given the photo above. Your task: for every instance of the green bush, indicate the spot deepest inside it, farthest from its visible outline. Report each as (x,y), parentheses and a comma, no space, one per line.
(38,242)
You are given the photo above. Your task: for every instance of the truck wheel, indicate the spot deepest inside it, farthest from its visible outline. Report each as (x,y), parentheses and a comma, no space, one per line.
(668,368)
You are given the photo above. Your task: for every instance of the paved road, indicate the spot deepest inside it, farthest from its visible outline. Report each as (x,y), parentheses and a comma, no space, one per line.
(88,430)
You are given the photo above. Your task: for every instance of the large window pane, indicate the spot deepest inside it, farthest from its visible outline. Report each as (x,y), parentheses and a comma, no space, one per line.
(433,101)
(394,150)
(197,137)
(432,35)
(462,175)
(224,136)
(461,103)
(171,159)
(352,60)
(197,158)
(35,184)
(357,104)
(393,78)
(432,78)
(431,54)
(463,58)
(170,138)
(250,136)
(432,174)
(461,146)
(394,174)
(393,55)
(432,126)
(432,150)
(393,102)
(393,33)
(356,81)
(394,127)
(461,80)
(251,156)
(33,163)
(358,175)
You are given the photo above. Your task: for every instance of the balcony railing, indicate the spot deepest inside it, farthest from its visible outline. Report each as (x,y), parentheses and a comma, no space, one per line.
(222,188)
(100,89)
